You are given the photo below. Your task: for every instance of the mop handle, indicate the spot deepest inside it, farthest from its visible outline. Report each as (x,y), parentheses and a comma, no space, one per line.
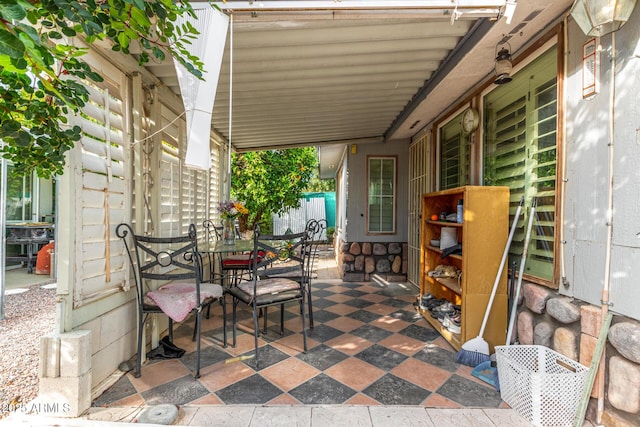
(502,262)
(525,249)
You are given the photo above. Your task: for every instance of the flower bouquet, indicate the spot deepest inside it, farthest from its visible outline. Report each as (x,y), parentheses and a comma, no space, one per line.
(229,211)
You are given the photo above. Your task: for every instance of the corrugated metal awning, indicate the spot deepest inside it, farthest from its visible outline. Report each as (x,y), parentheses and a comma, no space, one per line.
(306,73)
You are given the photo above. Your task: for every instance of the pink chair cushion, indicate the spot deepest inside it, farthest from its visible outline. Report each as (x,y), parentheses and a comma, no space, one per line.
(177,299)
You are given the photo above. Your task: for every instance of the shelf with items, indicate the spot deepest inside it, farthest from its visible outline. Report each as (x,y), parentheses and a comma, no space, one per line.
(453,338)
(438,250)
(481,238)
(451,284)
(445,223)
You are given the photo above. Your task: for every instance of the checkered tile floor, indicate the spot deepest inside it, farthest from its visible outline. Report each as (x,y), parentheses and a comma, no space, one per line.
(368,347)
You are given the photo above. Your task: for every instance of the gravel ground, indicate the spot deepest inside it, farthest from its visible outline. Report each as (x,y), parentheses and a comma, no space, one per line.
(28,316)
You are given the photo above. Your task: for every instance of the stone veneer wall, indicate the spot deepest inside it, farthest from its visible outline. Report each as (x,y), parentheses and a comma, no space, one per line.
(358,262)
(571,327)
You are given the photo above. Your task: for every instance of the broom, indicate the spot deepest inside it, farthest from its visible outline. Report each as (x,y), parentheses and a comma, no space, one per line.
(523,260)
(476,351)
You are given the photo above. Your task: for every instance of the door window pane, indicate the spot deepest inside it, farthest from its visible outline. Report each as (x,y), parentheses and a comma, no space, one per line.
(381,194)
(19,194)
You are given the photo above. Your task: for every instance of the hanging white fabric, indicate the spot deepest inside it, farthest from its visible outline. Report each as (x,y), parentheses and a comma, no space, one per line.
(198,95)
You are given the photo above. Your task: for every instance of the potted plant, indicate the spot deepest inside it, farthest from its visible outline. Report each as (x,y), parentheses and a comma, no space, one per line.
(330,234)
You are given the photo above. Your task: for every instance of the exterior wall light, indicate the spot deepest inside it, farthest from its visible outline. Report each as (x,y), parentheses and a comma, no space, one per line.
(600,17)
(503,64)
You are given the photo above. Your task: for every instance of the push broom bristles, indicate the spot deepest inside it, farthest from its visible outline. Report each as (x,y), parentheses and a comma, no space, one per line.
(473,352)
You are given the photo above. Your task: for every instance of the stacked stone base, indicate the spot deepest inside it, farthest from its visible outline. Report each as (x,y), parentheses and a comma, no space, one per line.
(364,261)
(571,328)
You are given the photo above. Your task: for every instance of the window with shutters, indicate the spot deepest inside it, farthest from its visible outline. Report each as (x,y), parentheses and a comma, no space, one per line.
(194,197)
(454,155)
(381,200)
(170,224)
(519,151)
(215,185)
(184,191)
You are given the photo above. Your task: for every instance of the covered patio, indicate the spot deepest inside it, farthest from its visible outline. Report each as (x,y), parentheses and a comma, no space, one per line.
(364,86)
(368,347)
(369,351)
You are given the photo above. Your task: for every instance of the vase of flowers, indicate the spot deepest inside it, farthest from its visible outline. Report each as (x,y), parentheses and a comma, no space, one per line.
(229,211)
(228,231)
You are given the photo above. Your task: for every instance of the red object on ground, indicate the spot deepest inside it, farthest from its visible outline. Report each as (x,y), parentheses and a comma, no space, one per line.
(43,261)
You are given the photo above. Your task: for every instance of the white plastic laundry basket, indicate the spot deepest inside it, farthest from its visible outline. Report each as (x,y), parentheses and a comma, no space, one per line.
(542,385)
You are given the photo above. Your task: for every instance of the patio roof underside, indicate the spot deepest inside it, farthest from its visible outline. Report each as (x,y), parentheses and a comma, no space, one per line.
(330,78)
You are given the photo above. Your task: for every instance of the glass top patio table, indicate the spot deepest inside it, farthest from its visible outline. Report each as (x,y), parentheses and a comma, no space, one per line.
(240,246)
(220,247)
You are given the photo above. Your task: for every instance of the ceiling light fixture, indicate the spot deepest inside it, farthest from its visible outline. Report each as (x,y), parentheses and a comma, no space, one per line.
(600,17)
(503,65)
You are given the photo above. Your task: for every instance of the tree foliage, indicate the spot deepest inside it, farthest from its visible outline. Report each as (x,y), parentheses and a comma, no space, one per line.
(320,185)
(270,182)
(41,71)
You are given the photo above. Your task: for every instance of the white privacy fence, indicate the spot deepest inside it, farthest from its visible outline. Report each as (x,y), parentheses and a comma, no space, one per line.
(296,219)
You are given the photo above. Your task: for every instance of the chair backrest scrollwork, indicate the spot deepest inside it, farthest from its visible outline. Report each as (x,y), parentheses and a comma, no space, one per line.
(161,259)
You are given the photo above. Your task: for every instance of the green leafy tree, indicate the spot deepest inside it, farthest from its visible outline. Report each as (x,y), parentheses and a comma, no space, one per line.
(41,71)
(320,185)
(270,182)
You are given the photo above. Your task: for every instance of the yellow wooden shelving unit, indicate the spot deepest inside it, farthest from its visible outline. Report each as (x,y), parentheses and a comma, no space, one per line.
(483,235)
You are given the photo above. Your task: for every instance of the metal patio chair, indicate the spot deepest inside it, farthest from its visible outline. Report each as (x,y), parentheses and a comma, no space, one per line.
(314,230)
(168,278)
(260,293)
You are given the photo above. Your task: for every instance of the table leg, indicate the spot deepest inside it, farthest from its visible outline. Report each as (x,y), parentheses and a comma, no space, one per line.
(30,257)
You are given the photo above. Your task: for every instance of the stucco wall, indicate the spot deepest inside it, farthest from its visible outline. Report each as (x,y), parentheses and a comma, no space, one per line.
(357,192)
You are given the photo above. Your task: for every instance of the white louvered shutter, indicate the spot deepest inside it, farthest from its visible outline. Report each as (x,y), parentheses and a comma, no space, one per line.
(169,175)
(103,188)
(520,152)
